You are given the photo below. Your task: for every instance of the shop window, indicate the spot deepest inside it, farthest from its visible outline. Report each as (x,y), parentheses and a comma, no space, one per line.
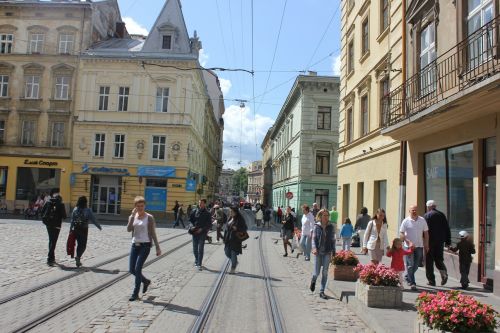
(324,117)
(153,182)
(32,182)
(4,85)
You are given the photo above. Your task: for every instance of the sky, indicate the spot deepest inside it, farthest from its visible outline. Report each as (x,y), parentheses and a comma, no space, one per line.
(289,37)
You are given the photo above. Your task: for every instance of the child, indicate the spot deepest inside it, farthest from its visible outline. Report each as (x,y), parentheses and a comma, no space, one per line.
(346,234)
(465,249)
(397,253)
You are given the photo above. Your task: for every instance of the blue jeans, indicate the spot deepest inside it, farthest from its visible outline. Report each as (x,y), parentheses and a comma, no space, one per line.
(198,248)
(305,243)
(138,256)
(412,262)
(322,260)
(179,220)
(231,255)
(346,243)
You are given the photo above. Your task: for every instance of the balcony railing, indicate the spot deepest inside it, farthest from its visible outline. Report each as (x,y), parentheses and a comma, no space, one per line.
(471,61)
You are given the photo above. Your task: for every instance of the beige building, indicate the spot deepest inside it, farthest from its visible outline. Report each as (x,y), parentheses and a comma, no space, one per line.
(368,162)
(267,170)
(255,182)
(226,191)
(145,126)
(39,47)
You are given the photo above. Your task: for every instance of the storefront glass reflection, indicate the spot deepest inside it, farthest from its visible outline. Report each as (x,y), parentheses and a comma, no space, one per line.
(32,182)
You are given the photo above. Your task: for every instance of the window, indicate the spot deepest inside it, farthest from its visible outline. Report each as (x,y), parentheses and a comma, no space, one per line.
(103,98)
(28,133)
(155,182)
(158,152)
(321,198)
(36,43)
(346,196)
(380,195)
(100,141)
(66,42)
(57,139)
(31,86)
(123,98)
(349,126)
(4,85)
(32,182)
(384,15)
(480,12)
(161,99)
(365,42)
(6,41)
(119,145)
(322,162)
(324,117)
(427,57)
(350,57)
(384,101)
(167,42)
(364,116)
(2,131)
(62,87)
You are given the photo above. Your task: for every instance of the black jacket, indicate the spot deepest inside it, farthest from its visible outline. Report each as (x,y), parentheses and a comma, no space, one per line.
(439,229)
(230,238)
(201,218)
(60,213)
(465,250)
(289,222)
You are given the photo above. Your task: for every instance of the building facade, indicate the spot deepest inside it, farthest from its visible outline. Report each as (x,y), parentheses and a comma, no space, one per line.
(226,192)
(255,182)
(267,171)
(304,143)
(371,63)
(446,113)
(145,126)
(39,47)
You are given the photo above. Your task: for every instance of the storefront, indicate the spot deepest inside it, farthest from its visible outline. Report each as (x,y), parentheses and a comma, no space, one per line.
(155,191)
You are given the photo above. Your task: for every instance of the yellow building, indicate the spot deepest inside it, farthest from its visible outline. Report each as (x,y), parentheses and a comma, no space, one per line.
(145,126)
(39,47)
(368,162)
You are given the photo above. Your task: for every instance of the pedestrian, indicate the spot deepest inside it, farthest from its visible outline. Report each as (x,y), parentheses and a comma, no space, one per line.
(189,210)
(414,228)
(334,215)
(232,237)
(397,253)
(180,216)
(287,229)
(176,210)
(259,216)
(218,217)
(315,210)
(143,228)
(439,235)
(279,216)
(306,234)
(346,234)
(375,240)
(466,249)
(201,220)
(80,218)
(267,217)
(323,247)
(362,222)
(53,212)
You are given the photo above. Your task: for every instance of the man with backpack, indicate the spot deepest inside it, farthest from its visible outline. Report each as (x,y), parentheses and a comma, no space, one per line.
(53,212)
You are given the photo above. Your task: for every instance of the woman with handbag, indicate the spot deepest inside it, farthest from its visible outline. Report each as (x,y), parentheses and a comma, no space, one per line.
(143,228)
(375,240)
(234,235)
(80,218)
(287,229)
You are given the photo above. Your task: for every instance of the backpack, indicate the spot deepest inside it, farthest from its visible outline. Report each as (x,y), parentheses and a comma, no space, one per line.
(79,219)
(49,214)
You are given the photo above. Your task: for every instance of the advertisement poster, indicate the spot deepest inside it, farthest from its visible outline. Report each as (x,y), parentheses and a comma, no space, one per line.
(156,199)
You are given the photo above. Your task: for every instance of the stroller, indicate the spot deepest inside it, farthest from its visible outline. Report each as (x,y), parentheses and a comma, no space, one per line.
(355,240)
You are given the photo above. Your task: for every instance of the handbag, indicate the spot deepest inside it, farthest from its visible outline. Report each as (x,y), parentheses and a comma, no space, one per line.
(195,230)
(242,235)
(70,244)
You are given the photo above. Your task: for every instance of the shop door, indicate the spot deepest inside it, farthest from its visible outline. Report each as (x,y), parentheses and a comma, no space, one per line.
(106,195)
(488,225)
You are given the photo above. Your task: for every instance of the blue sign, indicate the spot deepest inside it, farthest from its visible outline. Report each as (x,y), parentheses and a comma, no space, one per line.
(122,171)
(156,199)
(72,179)
(190,185)
(156,171)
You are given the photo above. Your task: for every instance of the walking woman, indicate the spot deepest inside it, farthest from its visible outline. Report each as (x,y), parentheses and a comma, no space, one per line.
(323,246)
(236,226)
(143,228)
(375,241)
(287,229)
(307,229)
(80,218)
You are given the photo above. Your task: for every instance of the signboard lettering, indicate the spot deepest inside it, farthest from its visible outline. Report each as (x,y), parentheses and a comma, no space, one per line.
(41,162)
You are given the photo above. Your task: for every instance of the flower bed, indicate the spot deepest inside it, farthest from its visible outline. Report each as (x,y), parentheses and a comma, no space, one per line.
(342,266)
(377,275)
(378,286)
(347,258)
(454,312)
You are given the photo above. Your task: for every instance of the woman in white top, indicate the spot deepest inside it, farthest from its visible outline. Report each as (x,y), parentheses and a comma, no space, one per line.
(307,229)
(375,240)
(143,228)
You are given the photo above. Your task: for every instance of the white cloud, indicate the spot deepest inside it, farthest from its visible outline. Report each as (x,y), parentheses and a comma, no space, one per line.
(225,85)
(241,130)
(203,58)
(134,28)
(336,65)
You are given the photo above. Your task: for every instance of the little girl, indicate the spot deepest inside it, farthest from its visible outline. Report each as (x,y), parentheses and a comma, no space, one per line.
(397,253)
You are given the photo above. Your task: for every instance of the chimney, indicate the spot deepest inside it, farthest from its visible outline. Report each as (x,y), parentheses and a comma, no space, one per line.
(120,29)
(313,73)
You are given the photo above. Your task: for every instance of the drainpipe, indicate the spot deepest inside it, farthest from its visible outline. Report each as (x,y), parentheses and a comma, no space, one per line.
(404,144)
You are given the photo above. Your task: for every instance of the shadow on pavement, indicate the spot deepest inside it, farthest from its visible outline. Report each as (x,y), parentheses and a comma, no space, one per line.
(175,308)
(88,269)
(253,276)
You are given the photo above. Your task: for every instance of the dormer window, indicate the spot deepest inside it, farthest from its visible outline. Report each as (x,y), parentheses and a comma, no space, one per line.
(167,42)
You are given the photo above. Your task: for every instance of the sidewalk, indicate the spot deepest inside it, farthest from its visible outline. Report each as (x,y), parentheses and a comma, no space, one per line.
(402,319)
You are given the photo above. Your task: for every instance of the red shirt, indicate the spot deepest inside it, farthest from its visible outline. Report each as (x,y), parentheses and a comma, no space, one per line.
(397,262)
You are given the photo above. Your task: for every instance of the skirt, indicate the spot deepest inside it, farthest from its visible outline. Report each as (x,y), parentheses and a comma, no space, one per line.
(286,233)
(376,254)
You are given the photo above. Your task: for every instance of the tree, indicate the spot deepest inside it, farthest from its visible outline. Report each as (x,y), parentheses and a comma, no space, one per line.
(240,180)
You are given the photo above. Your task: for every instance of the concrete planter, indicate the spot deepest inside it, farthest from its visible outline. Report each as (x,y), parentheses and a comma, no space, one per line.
(421,327)
(343,273)
(379,296)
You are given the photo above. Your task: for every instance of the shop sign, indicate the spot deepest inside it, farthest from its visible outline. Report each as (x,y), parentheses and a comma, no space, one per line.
(289,195)
(156,171)
(41,163)
(101,170)
(156,199)
(190,185)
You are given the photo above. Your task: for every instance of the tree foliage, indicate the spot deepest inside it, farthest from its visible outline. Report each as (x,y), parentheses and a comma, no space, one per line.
(240,180)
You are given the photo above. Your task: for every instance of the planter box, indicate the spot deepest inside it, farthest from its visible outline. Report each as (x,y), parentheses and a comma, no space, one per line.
(379,296)
(343,273)
(421,327)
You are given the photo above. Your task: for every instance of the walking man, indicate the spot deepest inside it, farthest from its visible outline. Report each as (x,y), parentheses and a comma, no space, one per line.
(414,228)
(201,220)
(334,215)
(53,212)
(439,234)
(176,210)
(315,210)
(362,222)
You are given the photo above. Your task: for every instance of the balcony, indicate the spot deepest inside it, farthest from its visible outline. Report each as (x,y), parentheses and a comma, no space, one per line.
(463,80)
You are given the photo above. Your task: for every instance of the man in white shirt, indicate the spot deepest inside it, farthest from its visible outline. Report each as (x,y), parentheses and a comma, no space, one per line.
(414,228)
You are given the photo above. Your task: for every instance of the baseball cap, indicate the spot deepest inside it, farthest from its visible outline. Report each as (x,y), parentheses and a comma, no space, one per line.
(430,203)
(463,234)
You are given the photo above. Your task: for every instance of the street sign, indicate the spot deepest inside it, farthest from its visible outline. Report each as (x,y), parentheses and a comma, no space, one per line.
(289,195)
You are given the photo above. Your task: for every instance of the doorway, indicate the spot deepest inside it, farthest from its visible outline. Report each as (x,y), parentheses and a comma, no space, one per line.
(106,194)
